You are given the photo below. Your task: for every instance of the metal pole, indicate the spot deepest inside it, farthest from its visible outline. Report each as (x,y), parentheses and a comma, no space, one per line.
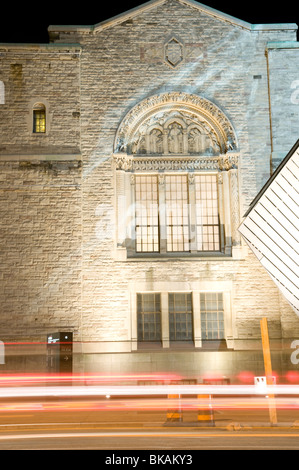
(268,369)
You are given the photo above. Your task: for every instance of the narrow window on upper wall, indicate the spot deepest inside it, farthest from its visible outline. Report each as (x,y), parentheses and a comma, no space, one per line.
(39,118)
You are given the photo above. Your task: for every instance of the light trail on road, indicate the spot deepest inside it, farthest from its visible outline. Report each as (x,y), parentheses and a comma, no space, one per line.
(145,390)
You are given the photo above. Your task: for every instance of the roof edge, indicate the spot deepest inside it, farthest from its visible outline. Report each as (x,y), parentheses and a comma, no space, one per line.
(129,14)
(37,46)
(147,6)
(283,45)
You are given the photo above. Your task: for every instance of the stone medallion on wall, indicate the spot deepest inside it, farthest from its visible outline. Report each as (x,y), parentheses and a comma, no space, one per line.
(173,51)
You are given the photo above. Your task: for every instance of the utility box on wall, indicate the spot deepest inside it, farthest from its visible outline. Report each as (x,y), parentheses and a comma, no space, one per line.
(60,352)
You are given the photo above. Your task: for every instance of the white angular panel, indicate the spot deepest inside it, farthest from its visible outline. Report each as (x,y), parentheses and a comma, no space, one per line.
(271,227)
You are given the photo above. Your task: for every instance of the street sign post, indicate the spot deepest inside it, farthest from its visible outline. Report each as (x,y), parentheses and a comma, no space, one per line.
(60,352)
(268,369)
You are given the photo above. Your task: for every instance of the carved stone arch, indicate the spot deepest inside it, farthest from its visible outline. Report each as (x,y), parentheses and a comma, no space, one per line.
(175,119)
(196,126)
(159,109)
(155,126)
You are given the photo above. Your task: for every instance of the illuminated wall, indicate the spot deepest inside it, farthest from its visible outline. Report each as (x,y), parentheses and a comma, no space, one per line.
(271,227)
(172,89)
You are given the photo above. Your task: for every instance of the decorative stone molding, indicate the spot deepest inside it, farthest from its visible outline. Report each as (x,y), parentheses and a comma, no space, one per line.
(175,123)
(131,163)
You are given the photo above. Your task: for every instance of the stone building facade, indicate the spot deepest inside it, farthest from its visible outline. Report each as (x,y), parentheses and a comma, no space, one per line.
(129,153)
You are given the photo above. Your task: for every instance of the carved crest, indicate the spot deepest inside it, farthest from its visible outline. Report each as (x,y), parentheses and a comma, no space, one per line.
(173,52)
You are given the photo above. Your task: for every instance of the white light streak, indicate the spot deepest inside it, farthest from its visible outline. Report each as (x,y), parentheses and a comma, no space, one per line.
(150,390)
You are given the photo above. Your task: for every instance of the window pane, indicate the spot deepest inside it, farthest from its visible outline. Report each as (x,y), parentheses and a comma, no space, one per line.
(180,317)
(39,118)
(212,316)
(177,218)
(147,220)
(207,218)
(148,317)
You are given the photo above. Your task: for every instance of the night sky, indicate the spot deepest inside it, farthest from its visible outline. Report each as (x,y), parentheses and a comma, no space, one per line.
(27,22)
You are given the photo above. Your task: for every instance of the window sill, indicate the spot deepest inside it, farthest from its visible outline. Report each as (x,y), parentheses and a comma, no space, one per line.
(238,253)
(159,256)
(207,346)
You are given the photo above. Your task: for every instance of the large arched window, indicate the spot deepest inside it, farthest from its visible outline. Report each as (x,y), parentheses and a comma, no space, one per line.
(176,162)
(39,118)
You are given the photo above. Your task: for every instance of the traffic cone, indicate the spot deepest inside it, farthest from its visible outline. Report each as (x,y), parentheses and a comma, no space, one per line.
(205,414)
(174,414)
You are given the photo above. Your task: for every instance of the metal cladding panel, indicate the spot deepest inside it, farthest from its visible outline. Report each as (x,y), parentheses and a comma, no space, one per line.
(271,228)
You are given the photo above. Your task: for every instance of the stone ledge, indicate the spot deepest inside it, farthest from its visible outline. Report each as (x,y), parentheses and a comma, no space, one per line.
(47,157)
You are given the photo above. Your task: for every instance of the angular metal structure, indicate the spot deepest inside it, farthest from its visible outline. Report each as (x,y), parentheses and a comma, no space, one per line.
(271,227)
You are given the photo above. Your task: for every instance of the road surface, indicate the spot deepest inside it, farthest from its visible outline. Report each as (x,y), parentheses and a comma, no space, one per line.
(118,425)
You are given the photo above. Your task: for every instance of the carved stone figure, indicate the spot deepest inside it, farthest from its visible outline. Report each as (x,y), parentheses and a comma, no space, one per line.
(156,141)
(176,123)
(175,138)
(196,141)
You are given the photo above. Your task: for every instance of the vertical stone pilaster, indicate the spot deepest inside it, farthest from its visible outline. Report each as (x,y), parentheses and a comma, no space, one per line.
(227,213)
(221,210)
(133,309)
(120,208)
(196,320)
(165,319)
(162,213)
(192,212)
(235,208)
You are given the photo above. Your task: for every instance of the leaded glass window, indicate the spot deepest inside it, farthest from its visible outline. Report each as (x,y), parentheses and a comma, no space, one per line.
(148,317)
(39,119)
(177,213)
(207,218)
(180,317)
(147,217)
(212,316)
(163,214)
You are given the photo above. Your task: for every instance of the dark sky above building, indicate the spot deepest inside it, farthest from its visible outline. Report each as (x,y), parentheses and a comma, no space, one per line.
(27,22)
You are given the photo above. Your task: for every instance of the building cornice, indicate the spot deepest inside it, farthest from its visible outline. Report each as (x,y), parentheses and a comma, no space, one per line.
(51,47)
(130,14)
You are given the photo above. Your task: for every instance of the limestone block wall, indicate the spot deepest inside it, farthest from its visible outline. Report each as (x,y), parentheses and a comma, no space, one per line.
(59,268)
(222,63)
(284,96)
(40,74)
(40,232)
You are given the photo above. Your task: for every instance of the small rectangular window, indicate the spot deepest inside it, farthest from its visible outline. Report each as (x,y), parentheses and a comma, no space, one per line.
(180,317)
(212,316)
(148,317)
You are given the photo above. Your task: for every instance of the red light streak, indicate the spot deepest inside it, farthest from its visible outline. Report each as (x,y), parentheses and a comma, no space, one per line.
(84,378)
(159,404)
